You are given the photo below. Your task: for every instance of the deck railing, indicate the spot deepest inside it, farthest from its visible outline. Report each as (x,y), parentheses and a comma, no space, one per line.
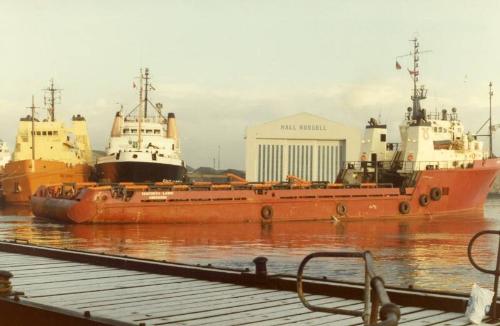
(411,165)
(387,315)
(495,272)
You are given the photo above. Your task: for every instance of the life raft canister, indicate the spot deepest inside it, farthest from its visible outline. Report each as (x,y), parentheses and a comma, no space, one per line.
(423,200)
(436,193)
(341,209)
(266,213)
(404,207)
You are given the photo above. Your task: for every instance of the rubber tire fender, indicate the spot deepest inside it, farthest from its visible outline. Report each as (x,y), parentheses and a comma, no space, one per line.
(424,200)
(404,207)
(341,209)
(436,193)
(267,212)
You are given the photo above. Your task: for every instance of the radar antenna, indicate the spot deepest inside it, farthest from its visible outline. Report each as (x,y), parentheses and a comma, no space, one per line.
(419,93)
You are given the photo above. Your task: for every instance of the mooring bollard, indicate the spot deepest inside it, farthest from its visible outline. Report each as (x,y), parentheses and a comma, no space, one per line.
(5,286)
(260,268)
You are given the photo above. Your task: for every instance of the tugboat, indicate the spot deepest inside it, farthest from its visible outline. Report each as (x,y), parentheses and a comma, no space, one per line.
(46,153)
(438,169)
(144,146)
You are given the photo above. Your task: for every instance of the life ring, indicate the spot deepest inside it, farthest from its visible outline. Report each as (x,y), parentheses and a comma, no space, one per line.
(410,157)
(404,207)
(341,209)
(363,157)
(266,212)
(436,193)
(423,200)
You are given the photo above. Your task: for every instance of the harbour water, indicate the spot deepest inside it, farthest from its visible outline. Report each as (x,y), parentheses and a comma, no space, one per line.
(424,253)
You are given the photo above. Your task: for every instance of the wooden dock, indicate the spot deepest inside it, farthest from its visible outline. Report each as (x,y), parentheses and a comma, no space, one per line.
(74,288)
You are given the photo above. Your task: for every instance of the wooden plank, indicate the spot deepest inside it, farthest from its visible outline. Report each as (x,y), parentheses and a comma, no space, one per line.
(102,277)
(265,314)
(459,321)
(82,270)
(438,319)
(84,276)
(95,292)
(43,267)
(119,295)
(307,317)
(358,321)
(225,307)
(194,303)
(102,286)
(134,299)
(417,315)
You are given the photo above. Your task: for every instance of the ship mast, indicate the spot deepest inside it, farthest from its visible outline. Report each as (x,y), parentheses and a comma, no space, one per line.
(32,107)
(139,115)
(50,99)
(146,78)
(418,93)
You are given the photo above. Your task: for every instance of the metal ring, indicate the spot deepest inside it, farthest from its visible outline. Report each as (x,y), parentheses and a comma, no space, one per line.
(469,251)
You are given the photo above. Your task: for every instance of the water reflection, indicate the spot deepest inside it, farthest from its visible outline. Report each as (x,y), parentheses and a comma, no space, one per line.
(429,253)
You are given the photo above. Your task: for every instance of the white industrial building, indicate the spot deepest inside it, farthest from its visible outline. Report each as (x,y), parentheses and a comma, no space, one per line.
(303,145)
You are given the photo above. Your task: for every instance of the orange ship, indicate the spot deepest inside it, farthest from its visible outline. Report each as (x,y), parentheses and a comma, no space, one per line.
(437,169)
(46,152)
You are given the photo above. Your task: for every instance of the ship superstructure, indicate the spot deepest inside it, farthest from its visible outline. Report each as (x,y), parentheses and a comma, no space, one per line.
(46,152)
(143,145)
(429,141)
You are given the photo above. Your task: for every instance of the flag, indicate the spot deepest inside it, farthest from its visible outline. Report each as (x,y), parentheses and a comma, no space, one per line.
(133,84)
(398,66)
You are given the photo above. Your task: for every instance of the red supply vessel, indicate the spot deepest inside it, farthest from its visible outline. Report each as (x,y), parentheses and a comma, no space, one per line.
(438,169)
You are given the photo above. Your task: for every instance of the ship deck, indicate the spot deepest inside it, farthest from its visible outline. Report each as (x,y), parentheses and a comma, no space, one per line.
(66,287)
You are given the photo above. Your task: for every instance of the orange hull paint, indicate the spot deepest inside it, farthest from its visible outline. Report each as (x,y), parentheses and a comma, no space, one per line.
(20,181)
(464,192)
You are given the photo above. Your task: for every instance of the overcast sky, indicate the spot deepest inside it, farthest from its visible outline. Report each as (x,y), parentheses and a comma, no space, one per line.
(224,65)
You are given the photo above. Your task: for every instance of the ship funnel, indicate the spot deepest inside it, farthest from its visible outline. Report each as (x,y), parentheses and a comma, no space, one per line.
(172,128)
(117,125)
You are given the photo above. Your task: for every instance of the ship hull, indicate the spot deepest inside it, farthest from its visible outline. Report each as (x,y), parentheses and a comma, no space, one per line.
(139,172)
(464,191)
(22,178)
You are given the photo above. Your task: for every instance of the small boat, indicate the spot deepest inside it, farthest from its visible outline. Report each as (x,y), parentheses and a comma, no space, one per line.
(144,145)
